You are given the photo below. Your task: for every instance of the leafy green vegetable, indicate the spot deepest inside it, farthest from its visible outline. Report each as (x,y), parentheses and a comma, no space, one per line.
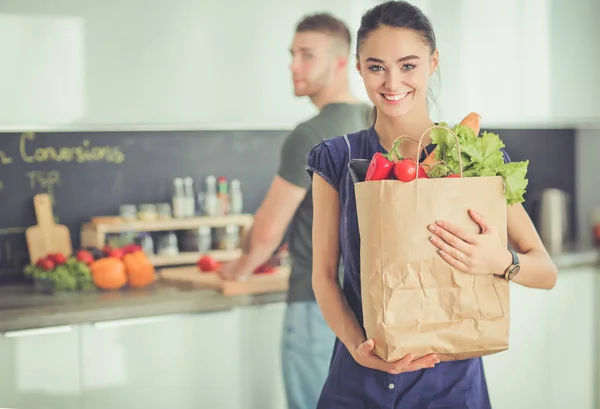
(72,276)
(481,156)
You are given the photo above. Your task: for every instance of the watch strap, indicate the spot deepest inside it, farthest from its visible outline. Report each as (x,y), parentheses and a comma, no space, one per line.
(514,267)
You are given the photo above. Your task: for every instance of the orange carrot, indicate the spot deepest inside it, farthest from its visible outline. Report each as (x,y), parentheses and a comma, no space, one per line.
(472,120)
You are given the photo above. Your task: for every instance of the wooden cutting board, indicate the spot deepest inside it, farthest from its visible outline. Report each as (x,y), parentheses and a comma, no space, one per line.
(257,284)
(46,236)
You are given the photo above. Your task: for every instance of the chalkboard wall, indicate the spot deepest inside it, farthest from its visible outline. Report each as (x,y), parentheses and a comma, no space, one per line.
(92,173)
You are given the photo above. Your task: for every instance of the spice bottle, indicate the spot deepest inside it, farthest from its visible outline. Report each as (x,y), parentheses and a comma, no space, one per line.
(223,196)
(190,199)
(179,199)
(211,203)
(235,197)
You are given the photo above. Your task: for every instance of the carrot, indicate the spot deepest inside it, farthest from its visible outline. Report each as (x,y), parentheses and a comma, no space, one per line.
(472,120)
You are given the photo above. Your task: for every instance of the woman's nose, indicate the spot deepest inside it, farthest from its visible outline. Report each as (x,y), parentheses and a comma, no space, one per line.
(393,79)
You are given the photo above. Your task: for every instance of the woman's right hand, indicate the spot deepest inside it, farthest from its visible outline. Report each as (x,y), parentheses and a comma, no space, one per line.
(364,355)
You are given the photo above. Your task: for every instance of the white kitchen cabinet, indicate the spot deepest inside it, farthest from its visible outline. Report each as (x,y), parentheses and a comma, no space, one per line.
(260,342)
(183,361)
(39,368)
(551,362)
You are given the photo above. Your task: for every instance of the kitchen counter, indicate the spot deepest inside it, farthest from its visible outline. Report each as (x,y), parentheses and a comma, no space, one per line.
(21,309)
(576,255)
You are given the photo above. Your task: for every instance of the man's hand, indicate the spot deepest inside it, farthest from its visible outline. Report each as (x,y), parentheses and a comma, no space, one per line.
(235,270)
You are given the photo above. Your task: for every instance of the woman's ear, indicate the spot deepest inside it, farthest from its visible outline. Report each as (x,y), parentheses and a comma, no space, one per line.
(435,60)
(358,66)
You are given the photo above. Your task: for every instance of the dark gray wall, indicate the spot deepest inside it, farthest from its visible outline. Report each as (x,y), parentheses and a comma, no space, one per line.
(153,159)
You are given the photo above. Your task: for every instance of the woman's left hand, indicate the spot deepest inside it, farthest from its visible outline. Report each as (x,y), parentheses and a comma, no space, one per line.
(468,252)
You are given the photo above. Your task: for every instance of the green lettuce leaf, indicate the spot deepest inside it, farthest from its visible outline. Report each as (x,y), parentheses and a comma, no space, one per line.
(481,156)
(514,174)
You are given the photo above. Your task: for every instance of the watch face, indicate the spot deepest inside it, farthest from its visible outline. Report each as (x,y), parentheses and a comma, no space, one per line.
(514,271)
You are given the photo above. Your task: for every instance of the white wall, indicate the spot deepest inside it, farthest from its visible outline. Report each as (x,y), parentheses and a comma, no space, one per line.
(213,64)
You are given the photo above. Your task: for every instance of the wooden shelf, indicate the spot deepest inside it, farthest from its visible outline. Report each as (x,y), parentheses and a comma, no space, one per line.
(174,224)
(192,257)
(94,234)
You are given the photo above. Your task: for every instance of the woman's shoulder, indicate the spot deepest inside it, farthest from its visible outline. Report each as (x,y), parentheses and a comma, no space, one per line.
(331,155)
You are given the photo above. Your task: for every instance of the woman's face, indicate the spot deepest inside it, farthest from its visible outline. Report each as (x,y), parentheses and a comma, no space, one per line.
(395,64)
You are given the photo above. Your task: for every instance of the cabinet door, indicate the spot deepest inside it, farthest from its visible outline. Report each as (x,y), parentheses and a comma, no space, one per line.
(552,358)
(39,368)
(572,348)
(261,373)
(184,362)
(517,378)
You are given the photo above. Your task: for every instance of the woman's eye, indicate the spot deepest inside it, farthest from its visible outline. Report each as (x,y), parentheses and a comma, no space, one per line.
(408,67)
(376,68)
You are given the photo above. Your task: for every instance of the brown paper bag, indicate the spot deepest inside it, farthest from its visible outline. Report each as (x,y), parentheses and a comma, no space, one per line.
(413,301)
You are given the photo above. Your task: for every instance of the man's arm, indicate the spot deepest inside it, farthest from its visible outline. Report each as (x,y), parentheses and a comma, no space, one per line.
(272,218)
(270,223)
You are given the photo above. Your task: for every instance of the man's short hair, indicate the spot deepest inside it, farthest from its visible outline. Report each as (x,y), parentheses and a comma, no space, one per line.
(327,24)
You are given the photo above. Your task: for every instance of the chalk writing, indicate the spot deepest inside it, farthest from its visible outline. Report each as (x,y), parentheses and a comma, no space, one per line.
(80,154)
(43,179)
(4,158)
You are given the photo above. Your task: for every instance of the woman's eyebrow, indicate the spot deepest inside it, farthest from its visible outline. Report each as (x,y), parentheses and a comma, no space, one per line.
(408,57)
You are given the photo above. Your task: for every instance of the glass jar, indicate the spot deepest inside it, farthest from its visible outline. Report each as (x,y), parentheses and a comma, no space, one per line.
(128,212)
(231,238)
(147,212)
(167,244)
(145,241)
(197,240)
(163,211)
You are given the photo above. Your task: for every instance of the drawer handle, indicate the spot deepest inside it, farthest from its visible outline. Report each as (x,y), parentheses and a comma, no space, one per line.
(61,329)
(129,322)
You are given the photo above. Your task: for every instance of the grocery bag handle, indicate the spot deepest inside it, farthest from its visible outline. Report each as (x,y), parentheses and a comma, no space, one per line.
(402,138)
(457,147)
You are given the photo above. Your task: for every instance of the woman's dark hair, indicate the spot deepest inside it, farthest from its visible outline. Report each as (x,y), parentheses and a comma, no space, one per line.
(397,14)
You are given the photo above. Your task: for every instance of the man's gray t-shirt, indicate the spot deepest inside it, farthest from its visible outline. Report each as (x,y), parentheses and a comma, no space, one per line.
(333,120)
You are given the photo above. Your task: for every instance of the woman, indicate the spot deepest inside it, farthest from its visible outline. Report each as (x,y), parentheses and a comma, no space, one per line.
(396,55)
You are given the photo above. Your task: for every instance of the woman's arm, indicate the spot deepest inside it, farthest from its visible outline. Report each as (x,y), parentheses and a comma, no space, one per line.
(329,295)
(484,253)
(537,268)
(326,256)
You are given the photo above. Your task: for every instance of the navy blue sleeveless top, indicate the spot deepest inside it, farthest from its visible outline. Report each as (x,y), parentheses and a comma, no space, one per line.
(453,384)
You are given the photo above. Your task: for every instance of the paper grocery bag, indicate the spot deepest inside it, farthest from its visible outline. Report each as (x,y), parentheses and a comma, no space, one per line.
(413,301)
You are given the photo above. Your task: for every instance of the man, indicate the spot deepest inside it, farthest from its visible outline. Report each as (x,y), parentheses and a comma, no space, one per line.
(320,52)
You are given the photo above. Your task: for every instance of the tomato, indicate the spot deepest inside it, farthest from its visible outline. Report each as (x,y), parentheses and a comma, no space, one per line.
(265,269)
(57,258)
(131,248)
(85,256)
(116,253)
(207,264)
(46,264)
(452,175)
(406,170)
